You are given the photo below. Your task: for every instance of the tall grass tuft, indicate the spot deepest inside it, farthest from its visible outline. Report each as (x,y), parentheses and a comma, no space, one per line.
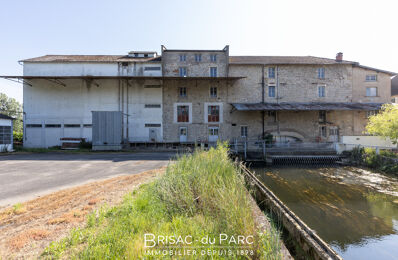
(200,195)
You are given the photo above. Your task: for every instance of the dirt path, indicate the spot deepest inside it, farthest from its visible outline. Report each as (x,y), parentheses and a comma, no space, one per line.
(27,228)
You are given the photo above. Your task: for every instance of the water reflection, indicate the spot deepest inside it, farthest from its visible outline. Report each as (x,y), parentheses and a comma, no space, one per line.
(354,210)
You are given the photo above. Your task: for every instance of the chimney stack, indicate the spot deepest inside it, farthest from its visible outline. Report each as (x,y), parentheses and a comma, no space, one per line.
(339,57)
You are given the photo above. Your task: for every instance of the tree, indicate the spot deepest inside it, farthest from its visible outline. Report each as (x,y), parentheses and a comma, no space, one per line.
(11,107)
(385,123)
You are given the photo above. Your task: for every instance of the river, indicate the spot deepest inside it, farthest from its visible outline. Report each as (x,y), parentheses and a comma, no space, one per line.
(352,209)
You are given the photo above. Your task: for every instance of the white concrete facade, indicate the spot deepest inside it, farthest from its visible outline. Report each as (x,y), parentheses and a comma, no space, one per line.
(53,111)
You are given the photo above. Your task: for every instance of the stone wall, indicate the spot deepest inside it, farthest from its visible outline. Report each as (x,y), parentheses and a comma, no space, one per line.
(294,83)
(171,63)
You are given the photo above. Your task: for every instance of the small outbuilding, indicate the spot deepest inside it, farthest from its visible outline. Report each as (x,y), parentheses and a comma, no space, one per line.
(6,138)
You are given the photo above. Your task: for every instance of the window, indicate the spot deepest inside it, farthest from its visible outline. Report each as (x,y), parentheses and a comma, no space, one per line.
(72,125)
(87,125)
(152,105)
(243,131)
(322,116)
(322,131)
(371,92)
(53,125)
(152,125)
(5,135)
(213,92)
(183,57)
(183,72)
(271,91)
(182,91)
(321,73)
(33,125)
(198,57)
(371,113)
(213,57)
(152,86)
(151,68)
(271,72)
(371,77)
(213,71)
(182,114)
(321,91)
(213,114)
(272,114)
(213,131)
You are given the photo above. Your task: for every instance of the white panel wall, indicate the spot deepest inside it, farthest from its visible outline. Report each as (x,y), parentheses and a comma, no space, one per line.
(48,103)
(89,69)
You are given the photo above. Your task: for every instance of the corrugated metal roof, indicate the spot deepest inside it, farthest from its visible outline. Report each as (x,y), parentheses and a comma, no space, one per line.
(275,60)
(91,58)
(2,116)
(310,106)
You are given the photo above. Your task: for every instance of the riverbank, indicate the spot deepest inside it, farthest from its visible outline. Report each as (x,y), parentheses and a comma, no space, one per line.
(198,208)
(385,161)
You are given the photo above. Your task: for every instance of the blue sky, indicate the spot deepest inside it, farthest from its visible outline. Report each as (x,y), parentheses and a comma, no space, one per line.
(364,30)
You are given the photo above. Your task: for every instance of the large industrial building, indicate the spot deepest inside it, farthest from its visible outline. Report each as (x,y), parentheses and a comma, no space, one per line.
(200,96)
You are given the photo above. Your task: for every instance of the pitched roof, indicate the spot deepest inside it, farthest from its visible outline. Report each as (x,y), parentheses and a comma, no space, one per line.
(2,116)
(275,60)
(394,86)
(91,58)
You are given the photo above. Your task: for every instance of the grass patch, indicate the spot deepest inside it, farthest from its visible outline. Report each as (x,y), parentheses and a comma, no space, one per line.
(200,196)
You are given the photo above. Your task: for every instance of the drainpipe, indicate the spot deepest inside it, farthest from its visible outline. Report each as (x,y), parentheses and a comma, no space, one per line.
(277,98)
(127,112)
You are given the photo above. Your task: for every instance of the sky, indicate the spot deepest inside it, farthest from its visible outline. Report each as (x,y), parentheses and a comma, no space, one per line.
(365,31)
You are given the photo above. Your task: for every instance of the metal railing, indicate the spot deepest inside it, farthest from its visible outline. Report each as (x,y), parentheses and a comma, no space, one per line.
(262,147)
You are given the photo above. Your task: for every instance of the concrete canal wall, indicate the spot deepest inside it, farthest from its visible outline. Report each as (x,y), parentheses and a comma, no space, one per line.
(307,239)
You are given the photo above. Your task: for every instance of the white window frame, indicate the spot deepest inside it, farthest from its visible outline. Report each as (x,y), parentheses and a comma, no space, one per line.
(175,105)
(179,92)
(183,57)
(371,78)
(213,67)
(321,73)
(323,92)
(269,93)
(273,72)
(198,57)
(206,112)
(375,94)
(246,131)
(216,92)
(213,57)
(180,69)
(370,113)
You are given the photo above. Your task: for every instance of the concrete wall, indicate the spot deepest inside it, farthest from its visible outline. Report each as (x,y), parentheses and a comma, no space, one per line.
(90,69)
(368,141)
(383,85)
(47,103)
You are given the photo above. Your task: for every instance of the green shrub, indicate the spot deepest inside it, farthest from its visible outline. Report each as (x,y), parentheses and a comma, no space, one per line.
(18,137)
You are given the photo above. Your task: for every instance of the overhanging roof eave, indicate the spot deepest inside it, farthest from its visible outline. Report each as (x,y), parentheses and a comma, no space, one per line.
(122,77)
(310,106)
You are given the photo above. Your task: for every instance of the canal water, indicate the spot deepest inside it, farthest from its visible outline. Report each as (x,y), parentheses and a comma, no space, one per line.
(352,209)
